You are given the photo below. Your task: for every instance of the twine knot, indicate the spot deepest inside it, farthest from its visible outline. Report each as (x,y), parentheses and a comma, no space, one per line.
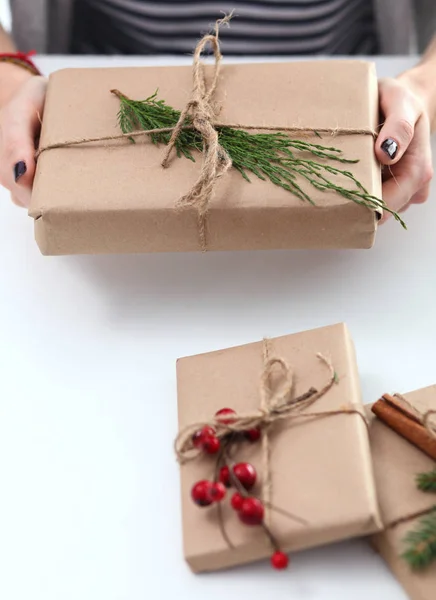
(200,112)
(275,405)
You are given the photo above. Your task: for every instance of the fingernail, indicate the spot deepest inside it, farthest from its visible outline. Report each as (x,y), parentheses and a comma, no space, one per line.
(19,169)
(390,146)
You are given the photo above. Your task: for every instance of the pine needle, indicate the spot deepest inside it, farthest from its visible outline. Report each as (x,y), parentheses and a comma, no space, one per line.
(427,481)
(421,543)
(275,157)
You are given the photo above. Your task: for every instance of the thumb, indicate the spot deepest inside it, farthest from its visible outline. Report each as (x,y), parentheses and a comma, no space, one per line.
(401,113)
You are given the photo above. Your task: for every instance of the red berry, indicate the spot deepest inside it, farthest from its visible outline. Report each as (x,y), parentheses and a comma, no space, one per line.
(211,444)
(246,474)
(224,412)
(217,491)
(251,512)
(237,501)
(198,437)
(253,435)
(201,493)
(279,560)
(225,476)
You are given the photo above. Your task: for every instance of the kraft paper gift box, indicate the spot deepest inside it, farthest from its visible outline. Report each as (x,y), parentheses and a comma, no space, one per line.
(397,463)
(115,197)
(320,467)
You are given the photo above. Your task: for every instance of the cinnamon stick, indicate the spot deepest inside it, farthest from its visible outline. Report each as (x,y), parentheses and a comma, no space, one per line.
(407,424)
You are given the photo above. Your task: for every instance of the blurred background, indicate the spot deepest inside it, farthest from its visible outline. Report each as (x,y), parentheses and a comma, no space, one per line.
(426,22)
(424,12)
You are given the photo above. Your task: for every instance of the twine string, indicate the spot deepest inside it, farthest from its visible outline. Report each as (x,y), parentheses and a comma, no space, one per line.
(410,517)
(425,419)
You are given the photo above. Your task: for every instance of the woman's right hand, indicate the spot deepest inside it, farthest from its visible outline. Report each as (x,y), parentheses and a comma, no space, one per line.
(21,107)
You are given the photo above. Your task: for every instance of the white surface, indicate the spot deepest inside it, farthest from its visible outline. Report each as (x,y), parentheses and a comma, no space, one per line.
(89,501)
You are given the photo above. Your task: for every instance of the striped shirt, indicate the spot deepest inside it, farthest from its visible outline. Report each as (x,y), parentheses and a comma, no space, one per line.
(262,27)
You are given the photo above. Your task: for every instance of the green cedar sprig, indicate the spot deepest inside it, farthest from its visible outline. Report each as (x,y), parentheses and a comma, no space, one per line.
(421,543)
(269,156)
(426,482)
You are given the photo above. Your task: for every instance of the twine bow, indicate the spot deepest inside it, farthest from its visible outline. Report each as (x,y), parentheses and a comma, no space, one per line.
(274,406)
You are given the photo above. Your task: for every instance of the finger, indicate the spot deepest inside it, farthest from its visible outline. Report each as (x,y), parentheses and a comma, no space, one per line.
(405,208)
(397,192)
(386,216)
(17,202)
(415,174)
(421,196)
(401,113)
(18,149)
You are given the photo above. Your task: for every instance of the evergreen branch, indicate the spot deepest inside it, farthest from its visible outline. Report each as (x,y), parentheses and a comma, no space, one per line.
(421,543)
(427,481)
(269,156)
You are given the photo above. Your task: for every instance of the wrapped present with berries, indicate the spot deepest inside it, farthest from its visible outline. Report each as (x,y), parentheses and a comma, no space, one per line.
(209,158)
(273,449)
(403,442)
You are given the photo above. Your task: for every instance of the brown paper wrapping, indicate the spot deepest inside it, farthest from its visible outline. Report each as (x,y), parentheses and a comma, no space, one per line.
(396,464)
(116,198)
(321,469)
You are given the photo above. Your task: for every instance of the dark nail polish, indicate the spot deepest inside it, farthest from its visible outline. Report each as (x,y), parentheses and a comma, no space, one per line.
(19,169)
(390,146)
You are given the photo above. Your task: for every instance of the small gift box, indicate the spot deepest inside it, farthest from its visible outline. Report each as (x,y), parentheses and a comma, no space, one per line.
(300,132)
(292,446)
(403,446)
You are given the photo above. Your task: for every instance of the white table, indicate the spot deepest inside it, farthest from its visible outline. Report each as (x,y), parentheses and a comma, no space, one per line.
(89,500)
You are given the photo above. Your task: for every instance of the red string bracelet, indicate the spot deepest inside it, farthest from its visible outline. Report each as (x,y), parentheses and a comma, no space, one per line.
(21,59)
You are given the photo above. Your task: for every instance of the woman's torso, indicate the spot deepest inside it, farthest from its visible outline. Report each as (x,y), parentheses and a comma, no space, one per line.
(341,27)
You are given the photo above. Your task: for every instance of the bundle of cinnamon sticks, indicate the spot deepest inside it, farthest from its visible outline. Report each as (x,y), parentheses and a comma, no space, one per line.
(400,416)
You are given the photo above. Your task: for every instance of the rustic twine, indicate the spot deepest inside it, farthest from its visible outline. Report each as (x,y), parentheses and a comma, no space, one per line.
(275,406)
(201,110)
(423,418)
(409,517)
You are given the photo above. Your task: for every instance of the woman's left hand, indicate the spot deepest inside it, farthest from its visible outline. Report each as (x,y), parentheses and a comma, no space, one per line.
(403,144)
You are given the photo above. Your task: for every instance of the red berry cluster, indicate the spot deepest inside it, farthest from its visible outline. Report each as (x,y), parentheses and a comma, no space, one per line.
(243,472)
(206,439)
(204,493)
(242,476)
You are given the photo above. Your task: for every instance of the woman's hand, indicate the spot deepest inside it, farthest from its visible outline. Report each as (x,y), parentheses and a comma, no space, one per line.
(21,108)
(403,144)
